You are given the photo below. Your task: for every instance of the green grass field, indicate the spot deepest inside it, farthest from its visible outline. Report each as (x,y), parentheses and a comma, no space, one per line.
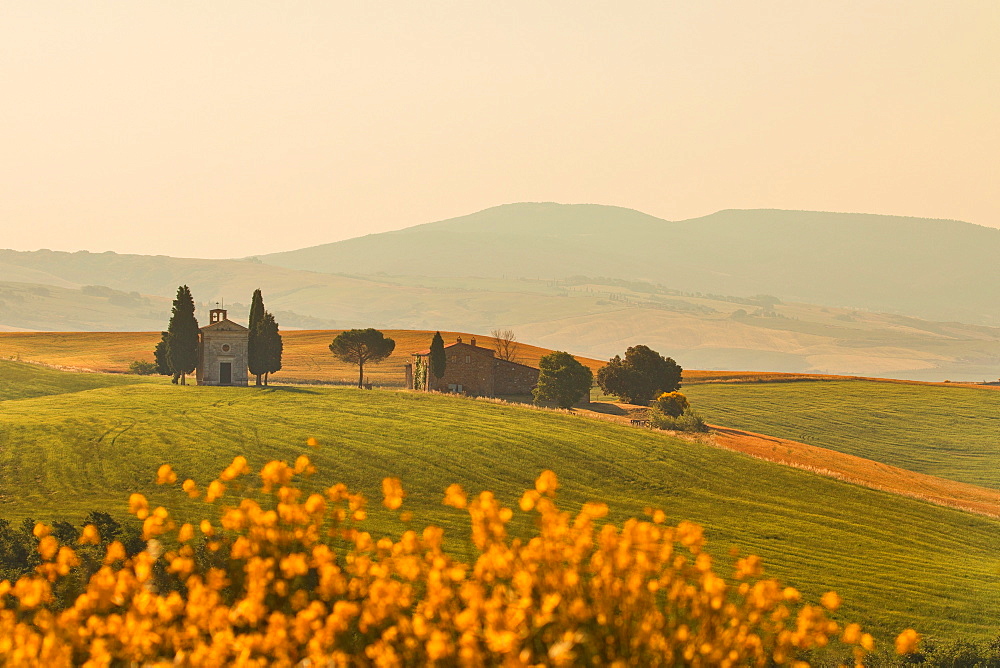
(951,432)
(897,562)
(23,381)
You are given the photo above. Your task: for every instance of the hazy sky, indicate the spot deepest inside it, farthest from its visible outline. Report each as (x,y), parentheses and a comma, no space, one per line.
(224,129)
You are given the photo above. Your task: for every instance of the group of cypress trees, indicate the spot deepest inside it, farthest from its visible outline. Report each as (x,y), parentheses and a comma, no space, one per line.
(265,347)
(176,353)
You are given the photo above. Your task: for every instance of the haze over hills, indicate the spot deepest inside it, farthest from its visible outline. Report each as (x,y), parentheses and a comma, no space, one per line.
(705,301)
(937,269)
(595,318)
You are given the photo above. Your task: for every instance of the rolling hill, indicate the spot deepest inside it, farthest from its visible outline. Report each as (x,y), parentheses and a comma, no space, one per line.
(25,381)
(593,318)
(889,445)
(951,432)
(306,355)
(62,455)
(705,305)
(936,269)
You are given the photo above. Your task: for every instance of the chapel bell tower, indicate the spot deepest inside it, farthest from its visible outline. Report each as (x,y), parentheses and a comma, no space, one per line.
(222,351)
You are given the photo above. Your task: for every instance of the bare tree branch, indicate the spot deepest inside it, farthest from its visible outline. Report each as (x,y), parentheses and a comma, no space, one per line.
(505,344)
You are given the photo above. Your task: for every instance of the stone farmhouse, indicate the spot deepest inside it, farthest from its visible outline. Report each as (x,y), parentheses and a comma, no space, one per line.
(471,370)
(222,351)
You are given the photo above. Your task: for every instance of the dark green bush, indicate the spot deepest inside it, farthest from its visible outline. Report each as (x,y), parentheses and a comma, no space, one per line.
(142,368)
(562,380)
(688,421)
(935,653)
(671,403)
(956,654)
(19,549)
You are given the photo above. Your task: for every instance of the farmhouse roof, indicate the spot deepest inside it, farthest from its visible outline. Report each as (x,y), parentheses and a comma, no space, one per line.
(452,345)
(482,348)
(526,366)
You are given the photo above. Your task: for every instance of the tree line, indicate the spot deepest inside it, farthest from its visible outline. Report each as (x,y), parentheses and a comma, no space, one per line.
(176,354)
(640,377)
(643,377)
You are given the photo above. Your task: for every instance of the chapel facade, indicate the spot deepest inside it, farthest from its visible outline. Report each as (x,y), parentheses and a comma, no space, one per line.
(222,351)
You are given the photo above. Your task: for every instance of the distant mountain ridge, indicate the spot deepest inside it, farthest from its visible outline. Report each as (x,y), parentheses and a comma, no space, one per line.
(940,269)
(697,290)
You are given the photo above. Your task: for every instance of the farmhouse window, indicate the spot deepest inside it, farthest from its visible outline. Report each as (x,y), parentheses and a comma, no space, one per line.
(468,359)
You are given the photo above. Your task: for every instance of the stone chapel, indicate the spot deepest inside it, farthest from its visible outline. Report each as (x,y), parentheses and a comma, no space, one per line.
(222,351)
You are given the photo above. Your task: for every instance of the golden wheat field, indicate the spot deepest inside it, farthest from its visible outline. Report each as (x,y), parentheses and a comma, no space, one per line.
(306,358)
(306,355)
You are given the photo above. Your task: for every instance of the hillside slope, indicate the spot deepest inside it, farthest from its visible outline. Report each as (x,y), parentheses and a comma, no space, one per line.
(928,268)
(61,456)
(27,381)
(306,354)
(951,432)
(702,308)
(586,318)
(860,471)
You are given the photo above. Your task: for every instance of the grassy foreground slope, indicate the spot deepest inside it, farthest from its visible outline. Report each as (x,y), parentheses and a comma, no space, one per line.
(24,381)
(897,562)
(951,432)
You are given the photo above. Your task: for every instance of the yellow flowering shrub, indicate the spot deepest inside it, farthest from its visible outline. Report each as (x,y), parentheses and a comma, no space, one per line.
(281,577)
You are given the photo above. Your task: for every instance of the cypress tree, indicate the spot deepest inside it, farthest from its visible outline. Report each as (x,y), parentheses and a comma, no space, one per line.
(272,345)
(437,356)
(182,336)
(256,346)
(160,355)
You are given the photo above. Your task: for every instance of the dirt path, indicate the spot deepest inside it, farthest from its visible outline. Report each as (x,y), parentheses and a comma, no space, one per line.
(833,464)
(861,471)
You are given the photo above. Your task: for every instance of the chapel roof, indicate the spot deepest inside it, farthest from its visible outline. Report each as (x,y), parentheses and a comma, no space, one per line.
(225,325)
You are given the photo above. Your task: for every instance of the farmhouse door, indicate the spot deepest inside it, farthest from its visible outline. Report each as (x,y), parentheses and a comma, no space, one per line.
(225,373)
